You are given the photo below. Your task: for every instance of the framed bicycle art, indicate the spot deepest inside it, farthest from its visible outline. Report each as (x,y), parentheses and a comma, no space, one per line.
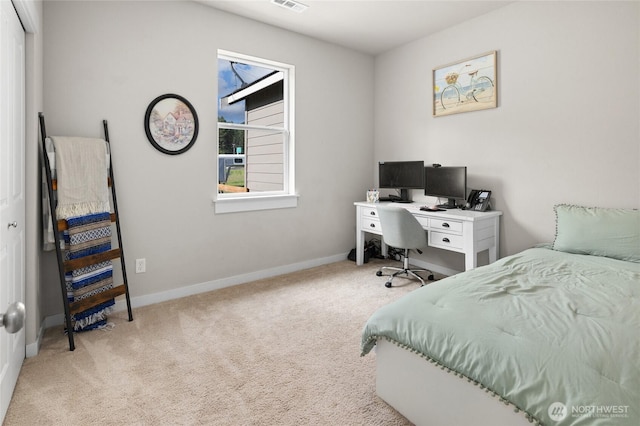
(468,85)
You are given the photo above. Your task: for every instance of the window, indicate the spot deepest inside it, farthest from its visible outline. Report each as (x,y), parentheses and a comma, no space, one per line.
(255,134)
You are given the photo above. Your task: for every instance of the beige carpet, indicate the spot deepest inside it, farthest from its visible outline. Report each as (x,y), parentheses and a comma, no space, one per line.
(279,351)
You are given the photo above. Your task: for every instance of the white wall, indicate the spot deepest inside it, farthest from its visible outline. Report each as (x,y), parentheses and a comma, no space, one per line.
(31,17)
(567,126)
(108,60)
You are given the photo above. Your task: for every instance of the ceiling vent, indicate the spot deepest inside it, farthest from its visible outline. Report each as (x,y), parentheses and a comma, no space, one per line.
(291,5)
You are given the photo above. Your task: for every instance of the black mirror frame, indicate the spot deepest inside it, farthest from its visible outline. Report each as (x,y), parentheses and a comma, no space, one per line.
(147,124)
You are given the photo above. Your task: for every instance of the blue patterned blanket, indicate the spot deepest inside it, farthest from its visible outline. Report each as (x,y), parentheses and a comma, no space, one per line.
(87,235)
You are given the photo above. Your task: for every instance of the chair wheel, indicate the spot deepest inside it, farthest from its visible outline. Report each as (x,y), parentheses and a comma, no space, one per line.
(431,277)
(379,274)
(387,284)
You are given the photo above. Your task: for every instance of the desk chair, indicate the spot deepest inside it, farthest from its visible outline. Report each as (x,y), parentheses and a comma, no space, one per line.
(401,230)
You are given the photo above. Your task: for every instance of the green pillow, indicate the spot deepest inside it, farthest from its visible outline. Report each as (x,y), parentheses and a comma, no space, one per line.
(598,231)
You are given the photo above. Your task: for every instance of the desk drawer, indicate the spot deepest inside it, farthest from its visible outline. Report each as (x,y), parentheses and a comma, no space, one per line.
(445,240)
(446,225)
(369,212)
(371,224)
(424,221)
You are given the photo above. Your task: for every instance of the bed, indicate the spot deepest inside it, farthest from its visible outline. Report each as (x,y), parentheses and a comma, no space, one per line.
(547,336)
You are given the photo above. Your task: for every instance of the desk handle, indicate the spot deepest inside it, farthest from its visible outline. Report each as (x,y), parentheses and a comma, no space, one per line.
(445,225)
(445,240)
(372,225)
(372,213)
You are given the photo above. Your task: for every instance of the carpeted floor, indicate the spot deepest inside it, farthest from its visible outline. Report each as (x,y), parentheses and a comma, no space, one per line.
(279,351)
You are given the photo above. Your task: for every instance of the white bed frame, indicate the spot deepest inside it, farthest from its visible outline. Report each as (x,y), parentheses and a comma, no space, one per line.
(427,395)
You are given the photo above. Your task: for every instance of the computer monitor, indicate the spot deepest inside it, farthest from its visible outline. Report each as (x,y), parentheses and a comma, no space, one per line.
(402,175)
(446,182)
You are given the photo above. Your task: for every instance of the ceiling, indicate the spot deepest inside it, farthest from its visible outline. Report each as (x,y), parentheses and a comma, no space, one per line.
(369,26)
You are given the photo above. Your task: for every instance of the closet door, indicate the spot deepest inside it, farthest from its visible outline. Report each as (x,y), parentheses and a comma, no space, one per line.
(12,197)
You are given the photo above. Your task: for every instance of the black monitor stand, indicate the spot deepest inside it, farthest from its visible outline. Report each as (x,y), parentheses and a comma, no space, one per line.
(404,196)
(451,204)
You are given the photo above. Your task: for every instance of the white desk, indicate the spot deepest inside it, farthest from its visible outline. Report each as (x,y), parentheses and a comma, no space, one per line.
(462,231)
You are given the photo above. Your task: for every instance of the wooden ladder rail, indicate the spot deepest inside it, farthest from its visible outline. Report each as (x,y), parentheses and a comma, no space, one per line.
(118,232)
(65,266)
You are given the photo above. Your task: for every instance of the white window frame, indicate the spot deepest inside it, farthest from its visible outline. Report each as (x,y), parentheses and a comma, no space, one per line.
(264,200)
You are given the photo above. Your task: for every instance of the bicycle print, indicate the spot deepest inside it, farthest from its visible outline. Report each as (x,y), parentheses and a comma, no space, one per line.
(469,85)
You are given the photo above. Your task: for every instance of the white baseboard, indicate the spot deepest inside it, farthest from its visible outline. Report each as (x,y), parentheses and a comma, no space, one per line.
(150,299)
(33,348)
(177,293)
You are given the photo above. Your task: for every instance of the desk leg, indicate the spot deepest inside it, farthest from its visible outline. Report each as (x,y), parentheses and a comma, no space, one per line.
(359,247)
(470,260)
(493,254)
(493,251)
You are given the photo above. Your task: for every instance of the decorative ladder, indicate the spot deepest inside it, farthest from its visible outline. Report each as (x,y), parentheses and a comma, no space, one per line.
(71,308)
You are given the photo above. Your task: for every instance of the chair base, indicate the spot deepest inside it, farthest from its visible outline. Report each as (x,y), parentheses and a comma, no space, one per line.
(405,270)
(408,273)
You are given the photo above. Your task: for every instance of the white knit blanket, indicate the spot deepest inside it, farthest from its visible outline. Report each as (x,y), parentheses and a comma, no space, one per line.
(81,170)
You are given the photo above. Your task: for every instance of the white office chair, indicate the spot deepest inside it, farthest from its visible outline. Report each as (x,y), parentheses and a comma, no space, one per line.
(401,230)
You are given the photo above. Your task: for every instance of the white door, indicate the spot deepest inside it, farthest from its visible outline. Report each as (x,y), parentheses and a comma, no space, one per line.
(12,197)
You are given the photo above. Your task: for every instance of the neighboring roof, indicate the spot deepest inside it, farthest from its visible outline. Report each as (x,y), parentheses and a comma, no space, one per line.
(254,87)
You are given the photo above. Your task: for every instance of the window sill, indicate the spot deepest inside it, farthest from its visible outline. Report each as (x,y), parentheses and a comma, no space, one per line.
(246,204)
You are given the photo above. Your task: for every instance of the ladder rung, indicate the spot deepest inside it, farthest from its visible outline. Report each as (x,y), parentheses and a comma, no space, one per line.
(62,223)
(90,302)
(54,183)
(92,259)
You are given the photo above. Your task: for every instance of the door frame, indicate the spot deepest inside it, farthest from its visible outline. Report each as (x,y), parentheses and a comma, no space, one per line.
(30,13)
(13,209)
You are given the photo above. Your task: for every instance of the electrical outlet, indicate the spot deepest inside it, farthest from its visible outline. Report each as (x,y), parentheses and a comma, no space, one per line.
(141,266)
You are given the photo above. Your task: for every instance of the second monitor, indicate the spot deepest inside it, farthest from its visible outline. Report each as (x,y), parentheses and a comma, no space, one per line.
(446,182)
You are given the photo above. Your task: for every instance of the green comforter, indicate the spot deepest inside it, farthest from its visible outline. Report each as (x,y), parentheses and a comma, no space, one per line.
(537,328)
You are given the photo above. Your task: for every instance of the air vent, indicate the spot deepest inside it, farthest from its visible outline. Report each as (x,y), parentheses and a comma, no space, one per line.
(291,5)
